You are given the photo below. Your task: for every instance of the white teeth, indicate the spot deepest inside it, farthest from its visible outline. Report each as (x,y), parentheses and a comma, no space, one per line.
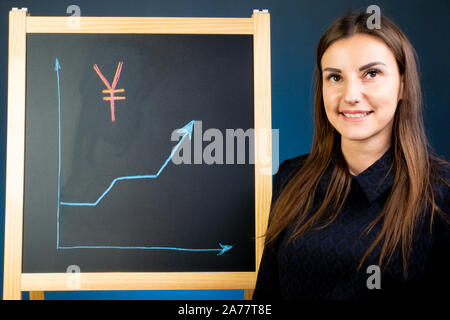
(356,115)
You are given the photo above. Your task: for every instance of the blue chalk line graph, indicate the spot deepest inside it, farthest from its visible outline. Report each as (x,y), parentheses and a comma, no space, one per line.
(185,131)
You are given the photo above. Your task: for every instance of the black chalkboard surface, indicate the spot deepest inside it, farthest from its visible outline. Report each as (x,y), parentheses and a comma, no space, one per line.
(101,189)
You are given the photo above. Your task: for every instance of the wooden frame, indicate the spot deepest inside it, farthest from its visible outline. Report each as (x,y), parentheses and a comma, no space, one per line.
(20,23)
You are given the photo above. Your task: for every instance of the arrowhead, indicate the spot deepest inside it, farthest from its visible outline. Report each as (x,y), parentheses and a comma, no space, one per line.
(57,66)
(187,129)
(225,248)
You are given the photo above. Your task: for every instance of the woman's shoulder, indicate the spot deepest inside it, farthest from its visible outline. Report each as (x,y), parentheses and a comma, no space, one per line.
(287,169)
(440,175)
(290,164)
(440,181)
(440,165)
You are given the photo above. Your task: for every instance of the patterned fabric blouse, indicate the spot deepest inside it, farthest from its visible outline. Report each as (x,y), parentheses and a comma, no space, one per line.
(322,264)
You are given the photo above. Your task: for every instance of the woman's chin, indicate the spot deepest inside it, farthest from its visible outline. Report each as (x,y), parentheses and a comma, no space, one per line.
(356,136)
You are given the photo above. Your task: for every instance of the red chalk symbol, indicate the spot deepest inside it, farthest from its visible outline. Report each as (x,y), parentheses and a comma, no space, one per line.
(111,88)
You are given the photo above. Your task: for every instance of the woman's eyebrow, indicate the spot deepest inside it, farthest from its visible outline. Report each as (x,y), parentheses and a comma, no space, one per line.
(366,66)
(332,70)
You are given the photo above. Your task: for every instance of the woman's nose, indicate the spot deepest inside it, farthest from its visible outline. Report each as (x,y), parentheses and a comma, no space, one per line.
(352,93)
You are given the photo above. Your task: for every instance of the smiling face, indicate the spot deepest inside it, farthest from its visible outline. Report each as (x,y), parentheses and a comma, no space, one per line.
(361,87)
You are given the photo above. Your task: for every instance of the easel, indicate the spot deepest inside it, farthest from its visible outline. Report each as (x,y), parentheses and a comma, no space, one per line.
(20,24)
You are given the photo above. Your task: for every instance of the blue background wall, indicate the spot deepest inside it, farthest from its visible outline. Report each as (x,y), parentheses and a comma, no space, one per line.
(296,26)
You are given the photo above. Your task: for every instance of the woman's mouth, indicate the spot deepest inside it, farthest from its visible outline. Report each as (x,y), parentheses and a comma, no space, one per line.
(356,115)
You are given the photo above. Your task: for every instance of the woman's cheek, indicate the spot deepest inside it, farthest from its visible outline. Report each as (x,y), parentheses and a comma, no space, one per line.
(384,94)
(331,100)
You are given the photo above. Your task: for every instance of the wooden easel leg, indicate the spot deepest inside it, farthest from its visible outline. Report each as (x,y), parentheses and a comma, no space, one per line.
(37,295)
(248,294)
(15,155)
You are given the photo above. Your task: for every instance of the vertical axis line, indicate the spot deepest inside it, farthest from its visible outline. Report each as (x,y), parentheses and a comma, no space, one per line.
(59,153)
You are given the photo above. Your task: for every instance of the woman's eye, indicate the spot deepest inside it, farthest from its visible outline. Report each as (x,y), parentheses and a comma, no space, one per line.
(371,74)
(334,77)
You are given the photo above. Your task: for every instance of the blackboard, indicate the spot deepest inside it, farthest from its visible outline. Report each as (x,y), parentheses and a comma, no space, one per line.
(100,110)
(186,217)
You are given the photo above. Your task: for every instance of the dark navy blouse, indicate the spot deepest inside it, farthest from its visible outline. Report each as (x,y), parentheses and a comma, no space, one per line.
(322,264)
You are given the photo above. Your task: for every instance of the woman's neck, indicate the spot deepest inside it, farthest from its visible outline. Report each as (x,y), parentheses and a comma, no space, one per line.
(360,155)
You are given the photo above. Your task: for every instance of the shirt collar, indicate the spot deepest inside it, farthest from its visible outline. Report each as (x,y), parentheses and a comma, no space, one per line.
(373,181)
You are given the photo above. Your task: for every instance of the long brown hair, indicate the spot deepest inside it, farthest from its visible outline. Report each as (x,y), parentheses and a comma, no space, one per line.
(411,192)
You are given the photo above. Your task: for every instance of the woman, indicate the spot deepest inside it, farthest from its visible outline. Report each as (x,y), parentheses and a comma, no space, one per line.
(365,214)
